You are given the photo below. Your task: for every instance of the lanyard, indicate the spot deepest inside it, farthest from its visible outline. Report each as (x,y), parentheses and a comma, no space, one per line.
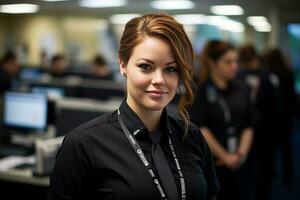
(137,148)
(214,96)
(232,142)
(226,110)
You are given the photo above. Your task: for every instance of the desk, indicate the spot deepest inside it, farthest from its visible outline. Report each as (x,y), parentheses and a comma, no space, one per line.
(19,184)
(24,176)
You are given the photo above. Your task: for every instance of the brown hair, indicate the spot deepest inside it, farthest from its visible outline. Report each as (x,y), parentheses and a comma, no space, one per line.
(276,62)
(247,53)
(212,51)
(167,28)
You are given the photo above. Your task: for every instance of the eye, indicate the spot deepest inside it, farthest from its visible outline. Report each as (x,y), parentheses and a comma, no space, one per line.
(171,69)
(145,66)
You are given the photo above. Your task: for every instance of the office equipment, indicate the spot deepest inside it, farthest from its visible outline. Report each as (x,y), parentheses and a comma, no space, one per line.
(11,162)
(45,154)
(15,150)
(30,73)
(25,111)
(51,91)
(58,86)
(101,93)
(101,89)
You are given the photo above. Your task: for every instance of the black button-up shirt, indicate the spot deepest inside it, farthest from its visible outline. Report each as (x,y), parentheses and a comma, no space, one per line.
(96,161)
(207,111)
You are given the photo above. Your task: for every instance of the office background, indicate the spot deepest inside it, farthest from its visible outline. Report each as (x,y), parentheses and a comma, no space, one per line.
(82,29)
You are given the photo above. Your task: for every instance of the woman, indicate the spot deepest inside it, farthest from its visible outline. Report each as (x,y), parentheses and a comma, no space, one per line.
(9,70)
(139,151)
(264,99)
(222,111)
(283,80)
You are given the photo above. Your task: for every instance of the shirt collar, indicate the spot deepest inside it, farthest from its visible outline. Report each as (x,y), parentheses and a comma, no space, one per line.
(134,123)
(228,89)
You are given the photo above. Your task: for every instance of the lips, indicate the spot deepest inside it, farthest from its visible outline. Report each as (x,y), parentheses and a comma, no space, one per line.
(158,92)
(154,94)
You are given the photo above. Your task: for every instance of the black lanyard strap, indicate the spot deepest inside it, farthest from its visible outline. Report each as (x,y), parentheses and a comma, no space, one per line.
(137,148)
(231,138)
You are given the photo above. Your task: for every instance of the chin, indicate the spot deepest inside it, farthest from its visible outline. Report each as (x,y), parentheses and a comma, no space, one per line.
(230,78)
(155,106)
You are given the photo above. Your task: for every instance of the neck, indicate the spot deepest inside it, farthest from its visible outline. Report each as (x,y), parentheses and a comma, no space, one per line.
(150,118)
(219,82)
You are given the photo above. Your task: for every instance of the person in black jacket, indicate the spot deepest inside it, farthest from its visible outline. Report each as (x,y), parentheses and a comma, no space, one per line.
(9,69)
(58,66)
(222,110)
(100,69)
(265,100)
(283,79)
(139,151)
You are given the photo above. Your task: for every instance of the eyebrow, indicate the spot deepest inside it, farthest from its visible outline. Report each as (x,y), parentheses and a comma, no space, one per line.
(152,62)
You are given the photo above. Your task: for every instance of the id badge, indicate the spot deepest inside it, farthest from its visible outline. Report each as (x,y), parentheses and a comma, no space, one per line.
(232,144)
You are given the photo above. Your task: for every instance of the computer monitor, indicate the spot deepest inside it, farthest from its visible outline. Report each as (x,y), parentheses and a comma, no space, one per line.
(51,92)
(101,93)
(25,111)
(57,88)
(30,73)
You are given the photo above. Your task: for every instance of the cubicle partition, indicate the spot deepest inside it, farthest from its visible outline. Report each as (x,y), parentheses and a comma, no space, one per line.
(74,86)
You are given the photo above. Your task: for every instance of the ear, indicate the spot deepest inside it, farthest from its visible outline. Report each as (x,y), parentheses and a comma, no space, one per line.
(123,68)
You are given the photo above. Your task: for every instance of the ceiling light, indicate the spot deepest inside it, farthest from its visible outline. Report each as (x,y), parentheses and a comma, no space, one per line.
(233,26)
(225,23)
(122,18)
(260,23)
(53,0)
(216,20)
(257,20)
(191,19)
(102,3)
(172,4)
(227,10)
(19,8)
(263,29)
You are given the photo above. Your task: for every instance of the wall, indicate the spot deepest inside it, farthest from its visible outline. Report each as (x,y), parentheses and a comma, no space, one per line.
(73,36)
(3,32)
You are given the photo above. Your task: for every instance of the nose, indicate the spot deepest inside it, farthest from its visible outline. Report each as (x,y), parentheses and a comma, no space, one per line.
(158,78)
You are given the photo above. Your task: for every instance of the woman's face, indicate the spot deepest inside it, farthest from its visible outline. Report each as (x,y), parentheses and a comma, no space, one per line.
(152,76)
(226,67)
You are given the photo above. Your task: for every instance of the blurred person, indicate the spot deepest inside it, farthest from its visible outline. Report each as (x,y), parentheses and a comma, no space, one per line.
(100,69)
(264,100)
(222,110)
(58,66)
(284,80)
(9,70)
(139,151)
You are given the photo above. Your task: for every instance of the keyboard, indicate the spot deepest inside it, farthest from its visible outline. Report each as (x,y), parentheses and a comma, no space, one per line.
(14,150)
